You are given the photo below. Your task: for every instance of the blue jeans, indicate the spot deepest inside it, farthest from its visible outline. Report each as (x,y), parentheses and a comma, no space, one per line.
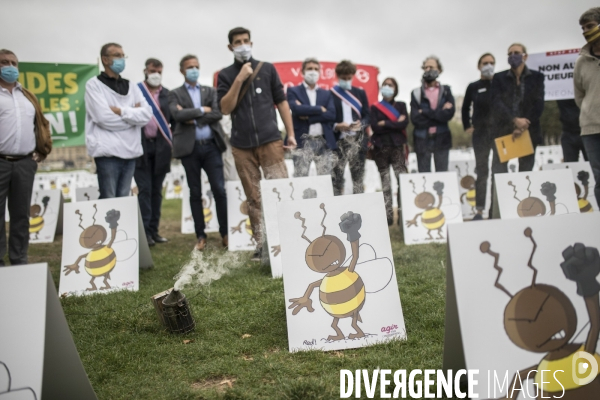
(114,176)
(207,157)
(592,148)
(314,149)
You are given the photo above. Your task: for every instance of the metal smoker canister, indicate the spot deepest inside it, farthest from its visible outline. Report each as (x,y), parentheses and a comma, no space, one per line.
(177,314)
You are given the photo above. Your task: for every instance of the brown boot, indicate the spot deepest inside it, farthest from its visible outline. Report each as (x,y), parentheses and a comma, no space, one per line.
(226,241)
(201,244)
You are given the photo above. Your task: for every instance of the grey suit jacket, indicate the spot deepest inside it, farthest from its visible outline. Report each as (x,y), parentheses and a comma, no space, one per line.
(184,134)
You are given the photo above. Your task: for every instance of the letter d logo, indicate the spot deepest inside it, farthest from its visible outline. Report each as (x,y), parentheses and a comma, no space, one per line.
(584,368)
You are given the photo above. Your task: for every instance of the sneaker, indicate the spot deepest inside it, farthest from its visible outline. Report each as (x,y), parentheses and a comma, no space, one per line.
(257,256)
(478,217)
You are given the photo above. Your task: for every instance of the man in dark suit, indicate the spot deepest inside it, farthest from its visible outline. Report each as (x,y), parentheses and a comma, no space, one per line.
(198,141)
(517,105)
(352,117)
(152,167)
(313,114)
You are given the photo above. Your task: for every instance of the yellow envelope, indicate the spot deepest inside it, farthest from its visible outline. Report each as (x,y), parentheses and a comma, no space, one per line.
(509,148)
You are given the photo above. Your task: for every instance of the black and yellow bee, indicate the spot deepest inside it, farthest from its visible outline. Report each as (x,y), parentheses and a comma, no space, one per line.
(584,204)
(467,182)
(246,221)
(432,217)
(36,217)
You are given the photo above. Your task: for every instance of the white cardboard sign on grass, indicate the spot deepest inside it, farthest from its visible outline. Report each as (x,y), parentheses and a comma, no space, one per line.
(430,201)
(87,193)
(584,183)
(38,358)
(45,215)
(277,190)
(240,230)
(519,295)
(175,186)
(465,170)
(339,279)
(104,246)
(535,193)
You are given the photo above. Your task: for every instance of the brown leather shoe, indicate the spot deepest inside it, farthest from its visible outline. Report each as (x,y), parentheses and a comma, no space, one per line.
(226,241)
(201,244)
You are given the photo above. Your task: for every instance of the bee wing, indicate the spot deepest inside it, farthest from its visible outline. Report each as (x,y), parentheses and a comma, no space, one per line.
(124,247)
(451,211)
(375,272)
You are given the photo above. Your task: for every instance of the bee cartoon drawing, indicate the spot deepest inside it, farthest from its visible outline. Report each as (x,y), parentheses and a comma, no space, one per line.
(177,186)
(8,392)
(52,184)
(342,292)
(101,258)
(432,217)
(584,204)
(467,182)
(206,204)
(541,319)
(245,221)
(36,217)
(533,206)
(65,189)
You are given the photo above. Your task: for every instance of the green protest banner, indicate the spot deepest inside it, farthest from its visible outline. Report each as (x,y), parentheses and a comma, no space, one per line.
(60,88)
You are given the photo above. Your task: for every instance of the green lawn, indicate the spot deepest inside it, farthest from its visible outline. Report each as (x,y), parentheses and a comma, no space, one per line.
(239,347)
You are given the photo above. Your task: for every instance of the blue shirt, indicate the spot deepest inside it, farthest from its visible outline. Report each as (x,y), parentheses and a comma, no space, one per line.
(202,132)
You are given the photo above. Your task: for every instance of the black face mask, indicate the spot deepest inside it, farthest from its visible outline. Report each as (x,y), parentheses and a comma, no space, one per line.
(430,75)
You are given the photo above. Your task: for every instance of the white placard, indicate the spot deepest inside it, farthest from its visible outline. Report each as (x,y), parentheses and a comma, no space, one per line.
(277,190)
(345,277)
(512,301)
(45,215)
(430,201)
(467,177)
(104,246)
(38,359)
(175,186)
(240,230)
(208,205)
(87,193)
(558,68)
(584,183)
(535,193)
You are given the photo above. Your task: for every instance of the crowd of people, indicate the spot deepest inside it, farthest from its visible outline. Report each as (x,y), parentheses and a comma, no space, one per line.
(135,130)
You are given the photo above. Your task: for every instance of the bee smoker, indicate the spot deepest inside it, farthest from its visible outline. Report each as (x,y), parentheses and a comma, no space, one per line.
(176,313)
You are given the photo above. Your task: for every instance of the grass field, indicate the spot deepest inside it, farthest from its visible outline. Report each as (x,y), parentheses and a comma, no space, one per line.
(239,347)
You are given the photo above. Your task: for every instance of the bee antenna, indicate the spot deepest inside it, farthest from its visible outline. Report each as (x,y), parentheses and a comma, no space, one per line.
(292,194)
(424,182)
(297,215)
(86,195)
(278,194)
(80,219)
(458,168)
(36,196)
(485,248)
(324,216)
(514,189)
(413,185)
(94,216)
(239,193)
(529,233)
(527,177)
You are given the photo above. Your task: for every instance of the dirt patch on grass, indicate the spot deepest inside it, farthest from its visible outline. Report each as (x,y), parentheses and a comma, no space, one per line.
(220,384)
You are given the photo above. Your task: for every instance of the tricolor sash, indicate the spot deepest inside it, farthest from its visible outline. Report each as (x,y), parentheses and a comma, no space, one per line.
(388,110)
(348,98)
(163,125)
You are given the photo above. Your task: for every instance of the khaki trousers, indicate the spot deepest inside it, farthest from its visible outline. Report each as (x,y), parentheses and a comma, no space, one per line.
(248,163)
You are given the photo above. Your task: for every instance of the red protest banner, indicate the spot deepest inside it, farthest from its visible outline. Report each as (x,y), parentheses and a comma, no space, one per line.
(290,74)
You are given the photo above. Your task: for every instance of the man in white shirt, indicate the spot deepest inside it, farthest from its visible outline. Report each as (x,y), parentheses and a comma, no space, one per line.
(17,165)
(313,114)
(115,113)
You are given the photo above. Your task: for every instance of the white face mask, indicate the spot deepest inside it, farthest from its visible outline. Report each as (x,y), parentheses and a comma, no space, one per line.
(154,79)
(311,77)
(487,70)
(243,52)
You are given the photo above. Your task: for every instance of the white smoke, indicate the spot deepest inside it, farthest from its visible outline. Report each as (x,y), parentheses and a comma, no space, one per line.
(204,267)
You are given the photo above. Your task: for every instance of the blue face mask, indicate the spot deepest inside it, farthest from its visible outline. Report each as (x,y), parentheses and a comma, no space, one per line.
(387,92)
(192,74)
(9,74)
(346,85)
(118,65)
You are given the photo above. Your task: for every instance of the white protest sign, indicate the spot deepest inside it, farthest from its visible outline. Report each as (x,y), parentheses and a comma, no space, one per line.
(535,193)
(465,170)
(558,68)
(209,208)
(338,264)
(87,193)
(277,190)
(38,359)
(430,201)
(104,246)
(584,183)
(45,215)
(240,230)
